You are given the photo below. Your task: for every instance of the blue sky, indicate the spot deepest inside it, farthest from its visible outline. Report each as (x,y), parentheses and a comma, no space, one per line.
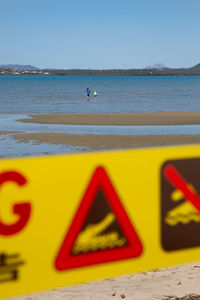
(100,34)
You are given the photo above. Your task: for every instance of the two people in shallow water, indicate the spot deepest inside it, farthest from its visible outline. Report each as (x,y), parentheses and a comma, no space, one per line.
(88,92)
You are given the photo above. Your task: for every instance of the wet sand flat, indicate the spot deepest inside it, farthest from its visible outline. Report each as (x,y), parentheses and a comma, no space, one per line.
(158,118)
(103,142)
(8,132)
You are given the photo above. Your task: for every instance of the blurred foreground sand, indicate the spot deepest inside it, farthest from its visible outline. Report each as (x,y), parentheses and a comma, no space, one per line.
(154,285)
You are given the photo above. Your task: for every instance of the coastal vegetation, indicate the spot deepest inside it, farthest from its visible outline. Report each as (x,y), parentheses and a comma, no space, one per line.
(4,70)
(127,72)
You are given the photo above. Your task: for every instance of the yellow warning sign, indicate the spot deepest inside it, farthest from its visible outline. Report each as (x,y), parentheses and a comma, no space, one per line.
(74,218)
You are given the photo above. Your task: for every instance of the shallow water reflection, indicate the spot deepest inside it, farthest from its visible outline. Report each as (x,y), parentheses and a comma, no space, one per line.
(11,148)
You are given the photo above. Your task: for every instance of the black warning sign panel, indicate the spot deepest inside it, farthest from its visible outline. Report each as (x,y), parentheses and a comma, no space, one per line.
(180,202)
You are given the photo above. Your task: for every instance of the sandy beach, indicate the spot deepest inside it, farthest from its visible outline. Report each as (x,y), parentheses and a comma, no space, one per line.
(162,284)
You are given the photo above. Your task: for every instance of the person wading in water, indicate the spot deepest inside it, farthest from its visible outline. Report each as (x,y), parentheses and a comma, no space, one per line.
(88,93)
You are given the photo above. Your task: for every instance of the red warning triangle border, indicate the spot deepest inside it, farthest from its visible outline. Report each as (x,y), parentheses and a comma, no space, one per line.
(65,260)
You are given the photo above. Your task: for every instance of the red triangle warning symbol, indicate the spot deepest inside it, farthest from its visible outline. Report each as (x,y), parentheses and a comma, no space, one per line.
(101,230)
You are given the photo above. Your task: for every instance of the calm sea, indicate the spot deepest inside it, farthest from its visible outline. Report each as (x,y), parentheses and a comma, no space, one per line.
(67,94)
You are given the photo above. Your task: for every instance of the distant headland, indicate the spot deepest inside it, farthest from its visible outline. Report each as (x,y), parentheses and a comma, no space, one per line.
(152,70)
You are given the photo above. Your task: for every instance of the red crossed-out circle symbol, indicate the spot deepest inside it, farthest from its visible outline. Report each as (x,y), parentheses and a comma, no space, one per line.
(23,210)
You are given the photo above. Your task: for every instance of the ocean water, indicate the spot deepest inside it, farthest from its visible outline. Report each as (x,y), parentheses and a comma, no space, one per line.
(24,95)
(117,94)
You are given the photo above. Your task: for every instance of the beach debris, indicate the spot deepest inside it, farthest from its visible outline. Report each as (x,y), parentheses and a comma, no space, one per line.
(113,294)
(122,296)
(179,283)
(169,298)
(187,297)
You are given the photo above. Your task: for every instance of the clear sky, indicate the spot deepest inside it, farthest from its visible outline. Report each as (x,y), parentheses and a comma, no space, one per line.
(100,33)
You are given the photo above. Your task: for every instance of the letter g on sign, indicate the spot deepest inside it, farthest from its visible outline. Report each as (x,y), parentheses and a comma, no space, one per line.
(23,210)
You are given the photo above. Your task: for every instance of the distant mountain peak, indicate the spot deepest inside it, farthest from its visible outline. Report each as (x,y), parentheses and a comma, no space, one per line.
(156,66)
(19,67)
(196,66)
